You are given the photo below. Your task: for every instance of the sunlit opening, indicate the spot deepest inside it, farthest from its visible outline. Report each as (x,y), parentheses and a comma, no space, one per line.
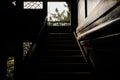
(10,68)
(58,14)
(26,47)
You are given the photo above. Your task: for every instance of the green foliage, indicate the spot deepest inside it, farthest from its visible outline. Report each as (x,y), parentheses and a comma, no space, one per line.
(59,16)
(10,68)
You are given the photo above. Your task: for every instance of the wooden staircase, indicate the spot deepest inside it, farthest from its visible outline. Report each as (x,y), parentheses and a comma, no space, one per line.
(59,57)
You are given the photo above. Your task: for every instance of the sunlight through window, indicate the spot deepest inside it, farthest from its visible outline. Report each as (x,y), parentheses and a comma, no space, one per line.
(26,47)
(58,14)
(10,68)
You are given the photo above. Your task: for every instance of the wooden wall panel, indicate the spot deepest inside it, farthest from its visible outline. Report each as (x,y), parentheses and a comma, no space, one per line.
(91,4)
(97,12)
(81,11)
(99,37)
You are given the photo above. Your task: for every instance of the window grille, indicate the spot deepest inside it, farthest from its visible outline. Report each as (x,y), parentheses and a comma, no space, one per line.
(32,5)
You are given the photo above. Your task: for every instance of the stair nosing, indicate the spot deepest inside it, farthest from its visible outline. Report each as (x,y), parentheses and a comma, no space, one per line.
(86,72)
(66,50)
(60,33)
(82,63)
(64,56)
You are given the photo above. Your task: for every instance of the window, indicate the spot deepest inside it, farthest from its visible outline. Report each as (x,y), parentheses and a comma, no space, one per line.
(26,47)
(14,3)
(81,11)
(91,4)
(58,14)
(32,5)
(10,68)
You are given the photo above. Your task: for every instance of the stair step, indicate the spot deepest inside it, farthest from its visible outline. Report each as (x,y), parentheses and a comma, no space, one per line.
(58,36)
(58,58)
(64,67)
(61,41)
(63,52)
(66,75)
(82,73)
(59,29)
(61,34)
(65,56)
(63,45)
(61,59)
(61,76)
(62,48)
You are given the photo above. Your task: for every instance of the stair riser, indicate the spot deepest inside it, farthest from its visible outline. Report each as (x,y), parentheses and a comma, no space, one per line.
(61,38)
(58,59)
(50,67)
(62,53)
(60,35)
(62,60)
(59,29)
(65,47)
(64,69)
(62,42)
(62,76)
(62,45)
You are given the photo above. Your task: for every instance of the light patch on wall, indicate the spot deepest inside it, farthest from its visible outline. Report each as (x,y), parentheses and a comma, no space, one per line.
(14,3)
(32,5)
(26,47)
(91,4)
(10,68)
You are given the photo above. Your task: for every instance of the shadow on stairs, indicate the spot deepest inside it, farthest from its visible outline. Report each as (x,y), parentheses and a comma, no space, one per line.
(60,58)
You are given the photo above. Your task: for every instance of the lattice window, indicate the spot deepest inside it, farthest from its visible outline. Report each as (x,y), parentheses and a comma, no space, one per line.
(10,68)
(32,5)
(26,47)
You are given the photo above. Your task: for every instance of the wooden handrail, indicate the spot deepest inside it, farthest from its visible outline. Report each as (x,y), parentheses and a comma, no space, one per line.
(97,28)
(33,46)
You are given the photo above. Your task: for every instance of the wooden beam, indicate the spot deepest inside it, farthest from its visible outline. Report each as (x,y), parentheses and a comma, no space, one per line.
(97,12)
(97,28)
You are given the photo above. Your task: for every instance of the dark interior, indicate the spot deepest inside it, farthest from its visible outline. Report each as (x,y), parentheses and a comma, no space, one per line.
(86,50)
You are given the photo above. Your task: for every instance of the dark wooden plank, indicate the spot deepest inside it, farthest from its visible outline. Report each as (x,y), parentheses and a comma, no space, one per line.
(98,28)
(97,12)
(110,15)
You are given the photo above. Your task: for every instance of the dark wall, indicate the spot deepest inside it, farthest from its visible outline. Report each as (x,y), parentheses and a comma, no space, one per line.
(99,36)
(18,25)
(23,24)
(74,14)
